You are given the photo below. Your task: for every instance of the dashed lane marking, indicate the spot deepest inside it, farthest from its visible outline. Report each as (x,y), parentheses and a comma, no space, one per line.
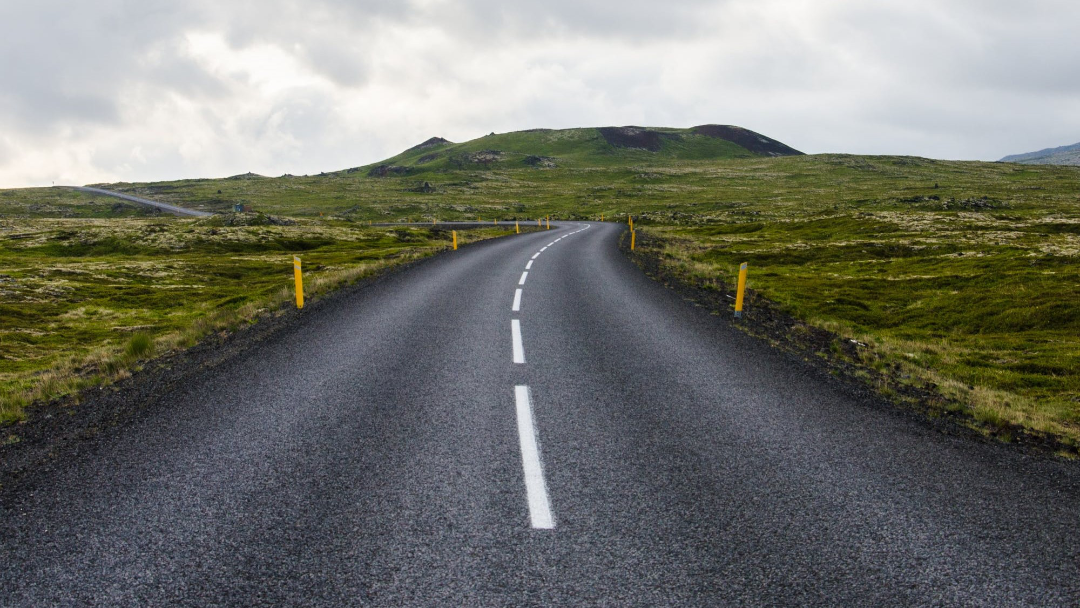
(535,489)
(519,350)
(517,301)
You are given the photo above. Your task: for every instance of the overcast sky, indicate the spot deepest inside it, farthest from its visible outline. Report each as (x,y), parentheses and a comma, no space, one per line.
(133,90)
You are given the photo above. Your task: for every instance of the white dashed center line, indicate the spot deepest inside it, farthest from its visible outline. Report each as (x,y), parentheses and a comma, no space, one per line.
(539,505)
(519,350)
(535,488)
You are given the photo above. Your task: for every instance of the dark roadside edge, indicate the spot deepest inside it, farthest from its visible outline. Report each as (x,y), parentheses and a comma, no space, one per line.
(838,360)
(53,432)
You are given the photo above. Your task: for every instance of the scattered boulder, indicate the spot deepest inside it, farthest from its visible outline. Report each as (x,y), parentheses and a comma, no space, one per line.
(540,162)
(485,157)
(425,188)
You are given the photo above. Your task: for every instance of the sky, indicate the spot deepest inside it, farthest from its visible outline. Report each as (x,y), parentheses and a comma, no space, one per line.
(142,90)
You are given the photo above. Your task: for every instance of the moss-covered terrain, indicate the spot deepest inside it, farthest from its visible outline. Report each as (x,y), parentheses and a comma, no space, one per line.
(82,301)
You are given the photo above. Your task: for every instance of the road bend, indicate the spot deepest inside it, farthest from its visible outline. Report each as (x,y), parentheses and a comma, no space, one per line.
(531,421)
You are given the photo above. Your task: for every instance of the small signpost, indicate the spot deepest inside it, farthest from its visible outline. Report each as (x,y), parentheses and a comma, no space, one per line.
(298,275)
(740,291)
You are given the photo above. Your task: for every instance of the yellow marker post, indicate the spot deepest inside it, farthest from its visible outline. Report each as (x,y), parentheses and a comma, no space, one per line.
(298,275)
(517,228)
(549,222)
(632,235)
(496,221)
(601,217)
(540,222)
(432,221)
(454,232)
(631,222)
(740,290)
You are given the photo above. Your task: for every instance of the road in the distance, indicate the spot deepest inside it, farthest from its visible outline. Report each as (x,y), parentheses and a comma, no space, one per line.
(440,438)
(145,201)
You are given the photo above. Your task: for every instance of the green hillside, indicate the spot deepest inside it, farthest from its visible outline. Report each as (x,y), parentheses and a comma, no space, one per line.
(603,146)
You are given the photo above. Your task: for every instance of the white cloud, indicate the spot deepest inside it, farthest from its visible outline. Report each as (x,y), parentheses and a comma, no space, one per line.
(113,90)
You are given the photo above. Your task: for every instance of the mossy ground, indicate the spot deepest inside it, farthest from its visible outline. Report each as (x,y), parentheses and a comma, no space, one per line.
(959,274)
(82,301)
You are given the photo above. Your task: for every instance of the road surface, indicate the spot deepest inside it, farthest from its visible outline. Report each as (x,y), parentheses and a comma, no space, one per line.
(531,421)
(145,201)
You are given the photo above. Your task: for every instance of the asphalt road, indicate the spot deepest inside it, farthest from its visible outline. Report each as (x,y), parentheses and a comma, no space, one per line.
(145,201)
(388,450)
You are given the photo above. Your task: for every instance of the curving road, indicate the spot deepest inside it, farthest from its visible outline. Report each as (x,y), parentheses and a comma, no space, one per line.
(442,438)
(144,201)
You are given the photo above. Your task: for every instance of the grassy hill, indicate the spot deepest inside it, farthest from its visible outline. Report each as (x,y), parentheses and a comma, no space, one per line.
(596,147)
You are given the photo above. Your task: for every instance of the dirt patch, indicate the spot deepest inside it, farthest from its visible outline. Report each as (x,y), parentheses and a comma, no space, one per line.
(835,357)
(388,171)
(637,138)
(754,142)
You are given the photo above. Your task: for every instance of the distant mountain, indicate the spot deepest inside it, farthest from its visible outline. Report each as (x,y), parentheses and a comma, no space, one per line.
(1065,155)
(601,146)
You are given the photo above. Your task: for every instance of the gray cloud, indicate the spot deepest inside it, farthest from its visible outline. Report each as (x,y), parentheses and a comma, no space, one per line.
(118,89)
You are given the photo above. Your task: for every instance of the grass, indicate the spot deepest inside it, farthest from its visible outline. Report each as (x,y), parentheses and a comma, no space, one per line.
(962,276)
(86,301)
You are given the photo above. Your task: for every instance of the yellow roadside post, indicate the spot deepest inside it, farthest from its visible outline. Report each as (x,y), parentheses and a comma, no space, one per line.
(496,221)
(454,232)
(740,290)
(631,218)
(549,222)
(540,222)
(632,235)
(601,217)
(299,281)
(517,228)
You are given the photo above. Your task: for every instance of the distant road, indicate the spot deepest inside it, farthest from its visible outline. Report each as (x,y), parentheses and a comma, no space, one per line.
(532,421)
(146,201)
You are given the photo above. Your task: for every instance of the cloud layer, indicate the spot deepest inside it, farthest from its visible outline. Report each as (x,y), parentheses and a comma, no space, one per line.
(110,90)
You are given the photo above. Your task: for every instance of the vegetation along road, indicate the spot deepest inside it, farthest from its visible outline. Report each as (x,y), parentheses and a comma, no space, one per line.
(533,419)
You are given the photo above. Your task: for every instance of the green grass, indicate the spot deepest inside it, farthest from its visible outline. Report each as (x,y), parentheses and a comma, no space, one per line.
(85,300)
(959,274)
